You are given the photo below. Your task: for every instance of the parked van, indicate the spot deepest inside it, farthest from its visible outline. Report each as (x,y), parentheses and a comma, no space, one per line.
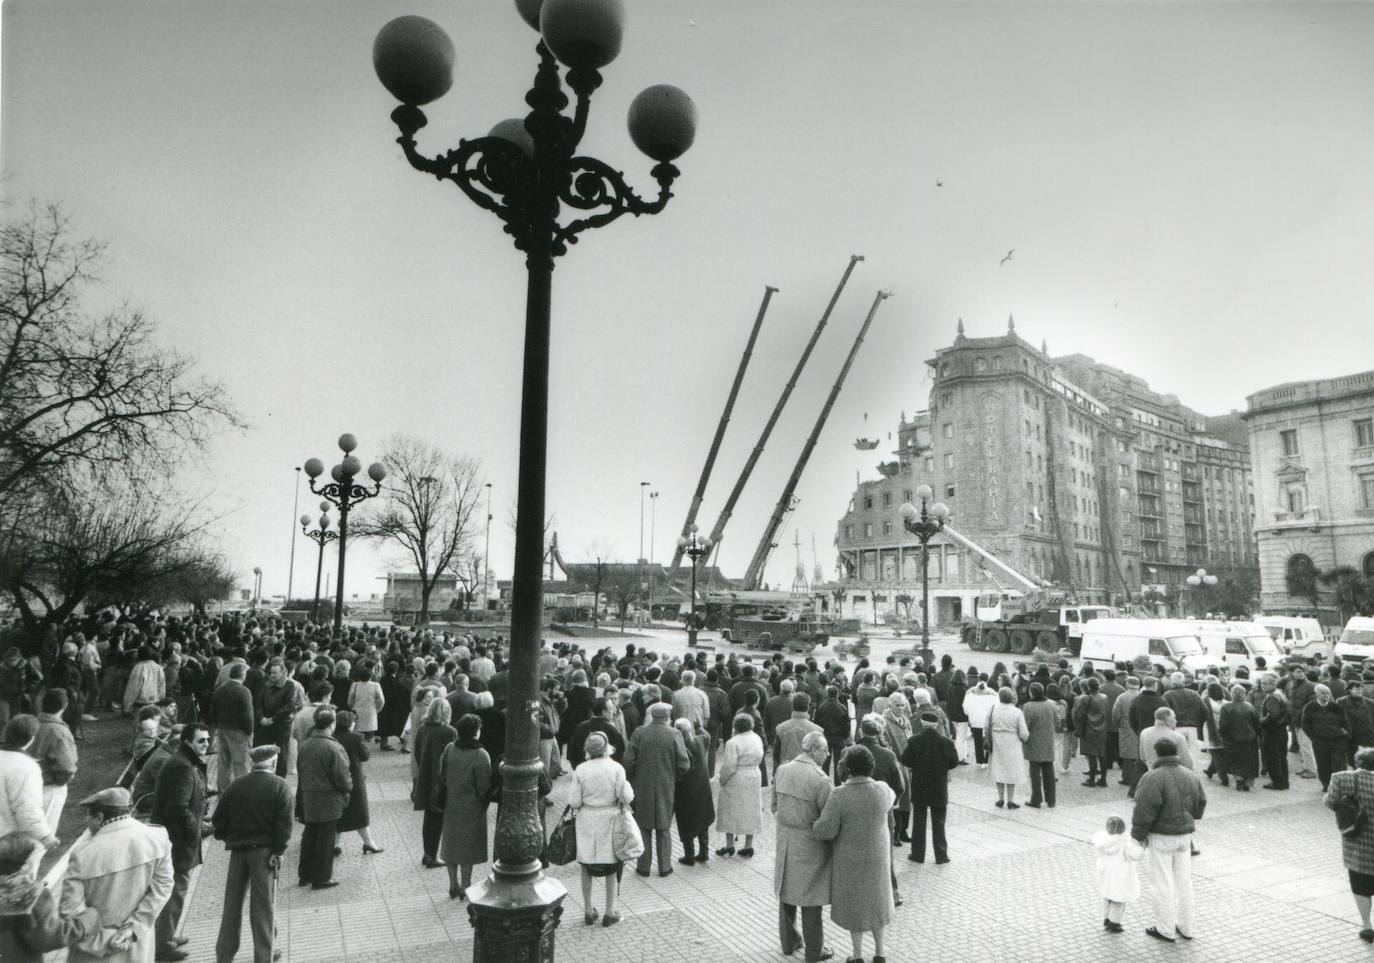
(1234,644)
(1168,643)
(1297,634)
(1357,640)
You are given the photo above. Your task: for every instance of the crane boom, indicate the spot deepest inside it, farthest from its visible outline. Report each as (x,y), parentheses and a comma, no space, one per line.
(754,574)
(719,528)
(1025,581)
(768,293)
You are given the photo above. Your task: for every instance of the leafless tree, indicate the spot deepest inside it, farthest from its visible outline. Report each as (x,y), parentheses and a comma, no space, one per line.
(84,391)
(468,570)
(430,509)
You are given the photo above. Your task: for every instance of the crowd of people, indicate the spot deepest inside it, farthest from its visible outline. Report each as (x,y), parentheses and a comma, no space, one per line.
(852,764)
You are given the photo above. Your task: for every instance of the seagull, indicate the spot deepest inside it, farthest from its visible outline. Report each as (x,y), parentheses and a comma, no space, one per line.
(1007,258)
(939,183)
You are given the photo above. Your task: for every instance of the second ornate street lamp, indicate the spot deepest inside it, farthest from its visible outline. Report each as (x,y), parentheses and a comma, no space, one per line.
(345,494)
(696,549)
(925,523)
(1197,580)
(257,588)
(525,171)
(321,536)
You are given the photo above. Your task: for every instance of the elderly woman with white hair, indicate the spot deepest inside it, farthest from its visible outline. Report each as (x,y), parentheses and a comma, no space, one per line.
(598,792)
(741,812)
(1325,724)
(1007,732)
(896,732)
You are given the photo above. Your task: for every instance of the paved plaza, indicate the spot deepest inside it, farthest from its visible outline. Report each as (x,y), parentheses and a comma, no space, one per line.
(1270,886)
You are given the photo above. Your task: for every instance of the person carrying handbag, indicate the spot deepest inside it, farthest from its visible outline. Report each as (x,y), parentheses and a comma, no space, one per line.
(598,795)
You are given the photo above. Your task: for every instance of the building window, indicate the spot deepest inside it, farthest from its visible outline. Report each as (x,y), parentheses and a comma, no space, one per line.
(1367,491)
(949,491)
(887,499)
(997,364)
(868,529)
(887,528)
(947,429)
(949,460)
(947,398)
(980,364)
(906,495)
(1364,433)
(1367,566)
(930,464)
(1295,498)
(849,531)
(1288,441)
(944,369)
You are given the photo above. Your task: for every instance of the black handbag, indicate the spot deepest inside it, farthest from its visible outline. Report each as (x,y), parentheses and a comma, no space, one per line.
(562,846)
(1350,816)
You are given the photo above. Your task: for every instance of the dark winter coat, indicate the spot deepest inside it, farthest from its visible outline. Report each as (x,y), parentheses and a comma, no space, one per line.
(694,808)
(324,780)
(179,806)
(930,756)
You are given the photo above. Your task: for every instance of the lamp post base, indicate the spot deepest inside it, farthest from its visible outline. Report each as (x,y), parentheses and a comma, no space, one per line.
(514,919)
(691,638)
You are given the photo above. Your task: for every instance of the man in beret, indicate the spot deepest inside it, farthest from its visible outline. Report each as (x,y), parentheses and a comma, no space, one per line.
(929,755)
(124,872)
(253,820)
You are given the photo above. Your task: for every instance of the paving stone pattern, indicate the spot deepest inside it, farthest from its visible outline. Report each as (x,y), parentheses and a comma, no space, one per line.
(1269,883)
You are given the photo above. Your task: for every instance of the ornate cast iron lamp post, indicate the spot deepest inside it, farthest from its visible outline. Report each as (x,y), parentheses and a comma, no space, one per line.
(1196,581)
(525,172)
(696,549)
(345,494)
(320,536)
(925,523)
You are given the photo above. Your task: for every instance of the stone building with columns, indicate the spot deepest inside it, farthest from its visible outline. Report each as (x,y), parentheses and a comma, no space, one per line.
(1312,449)
(1073,472)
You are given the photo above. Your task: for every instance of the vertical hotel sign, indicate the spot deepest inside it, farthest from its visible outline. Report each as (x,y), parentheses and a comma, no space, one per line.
(990,468)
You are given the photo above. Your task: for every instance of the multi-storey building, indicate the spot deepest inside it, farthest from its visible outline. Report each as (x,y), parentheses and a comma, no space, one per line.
(1072,472)
(1312,451)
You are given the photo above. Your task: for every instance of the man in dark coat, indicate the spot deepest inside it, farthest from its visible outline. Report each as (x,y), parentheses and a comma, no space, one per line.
(776,711)
(231,713)
(1169,799)
(718,721)
(930,755)
(324,786)
(1142,717)
(748,680)
(1359,716)
(281,700)
(1090,720)
(655,759)
(253,820)
(1111,689)
(601,722)
(832,716)
(179,807)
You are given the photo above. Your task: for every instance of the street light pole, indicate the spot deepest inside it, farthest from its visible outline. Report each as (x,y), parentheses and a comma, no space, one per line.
(320,536)
(643,488)
(291,565)
(694,548)
(925,523)
(345,495)
(653,575)
(486,555)
(257,587)
(1197,580)
(524,172)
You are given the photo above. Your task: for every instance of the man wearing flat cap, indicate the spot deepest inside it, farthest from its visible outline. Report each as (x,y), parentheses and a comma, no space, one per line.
(929,755)
(253,820)
(124,872)
(655,759)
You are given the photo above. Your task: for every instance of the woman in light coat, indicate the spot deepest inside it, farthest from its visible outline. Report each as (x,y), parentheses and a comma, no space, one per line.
(366,700)
(598,792)
(740,811)
(978,703)
(855,818)
(1008,730)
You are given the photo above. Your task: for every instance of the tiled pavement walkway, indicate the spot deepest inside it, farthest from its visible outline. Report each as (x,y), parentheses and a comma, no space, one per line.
(1269,884)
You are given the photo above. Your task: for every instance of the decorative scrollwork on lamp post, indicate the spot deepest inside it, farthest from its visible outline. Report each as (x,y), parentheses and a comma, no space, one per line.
(321,537)
(1197,581)
(344,493)
(526,171)
(925,523)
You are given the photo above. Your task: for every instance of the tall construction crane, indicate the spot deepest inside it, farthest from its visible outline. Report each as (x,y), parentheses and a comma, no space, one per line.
(718,530)
(754,574)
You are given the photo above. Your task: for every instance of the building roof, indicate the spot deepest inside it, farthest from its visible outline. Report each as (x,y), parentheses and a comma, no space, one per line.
(1305,392)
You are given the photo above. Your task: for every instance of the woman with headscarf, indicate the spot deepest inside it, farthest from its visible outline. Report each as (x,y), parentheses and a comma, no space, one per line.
(598,792)
(430,742)
(896,732)
(693,808)
(465,777)
(1007,730)
(740,812)
(1238,726)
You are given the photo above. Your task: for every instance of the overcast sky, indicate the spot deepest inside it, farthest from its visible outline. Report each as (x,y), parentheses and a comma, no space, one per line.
(1188,190)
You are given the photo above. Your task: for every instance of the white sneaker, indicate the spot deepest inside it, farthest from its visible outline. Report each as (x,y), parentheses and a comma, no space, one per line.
(87,717)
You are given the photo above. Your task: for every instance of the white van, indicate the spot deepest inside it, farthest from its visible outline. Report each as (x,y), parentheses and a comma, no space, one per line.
(1168,643)
(1357,640)
(1235,644)
(1297,634)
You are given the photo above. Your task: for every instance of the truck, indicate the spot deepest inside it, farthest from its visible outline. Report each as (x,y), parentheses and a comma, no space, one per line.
(773,620)
(999,627)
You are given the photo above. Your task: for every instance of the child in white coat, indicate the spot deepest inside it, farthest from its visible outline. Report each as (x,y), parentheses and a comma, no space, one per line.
(1117,854)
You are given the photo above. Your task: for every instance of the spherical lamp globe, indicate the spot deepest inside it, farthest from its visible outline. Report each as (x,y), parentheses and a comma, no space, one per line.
(314,467)
(663,122)
(583,34)
(413,58)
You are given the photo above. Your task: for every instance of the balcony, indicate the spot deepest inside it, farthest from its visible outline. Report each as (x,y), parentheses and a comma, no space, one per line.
(1309,517)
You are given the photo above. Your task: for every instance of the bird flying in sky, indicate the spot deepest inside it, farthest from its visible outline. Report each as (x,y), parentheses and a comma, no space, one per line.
(939,183)
(1007,258)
